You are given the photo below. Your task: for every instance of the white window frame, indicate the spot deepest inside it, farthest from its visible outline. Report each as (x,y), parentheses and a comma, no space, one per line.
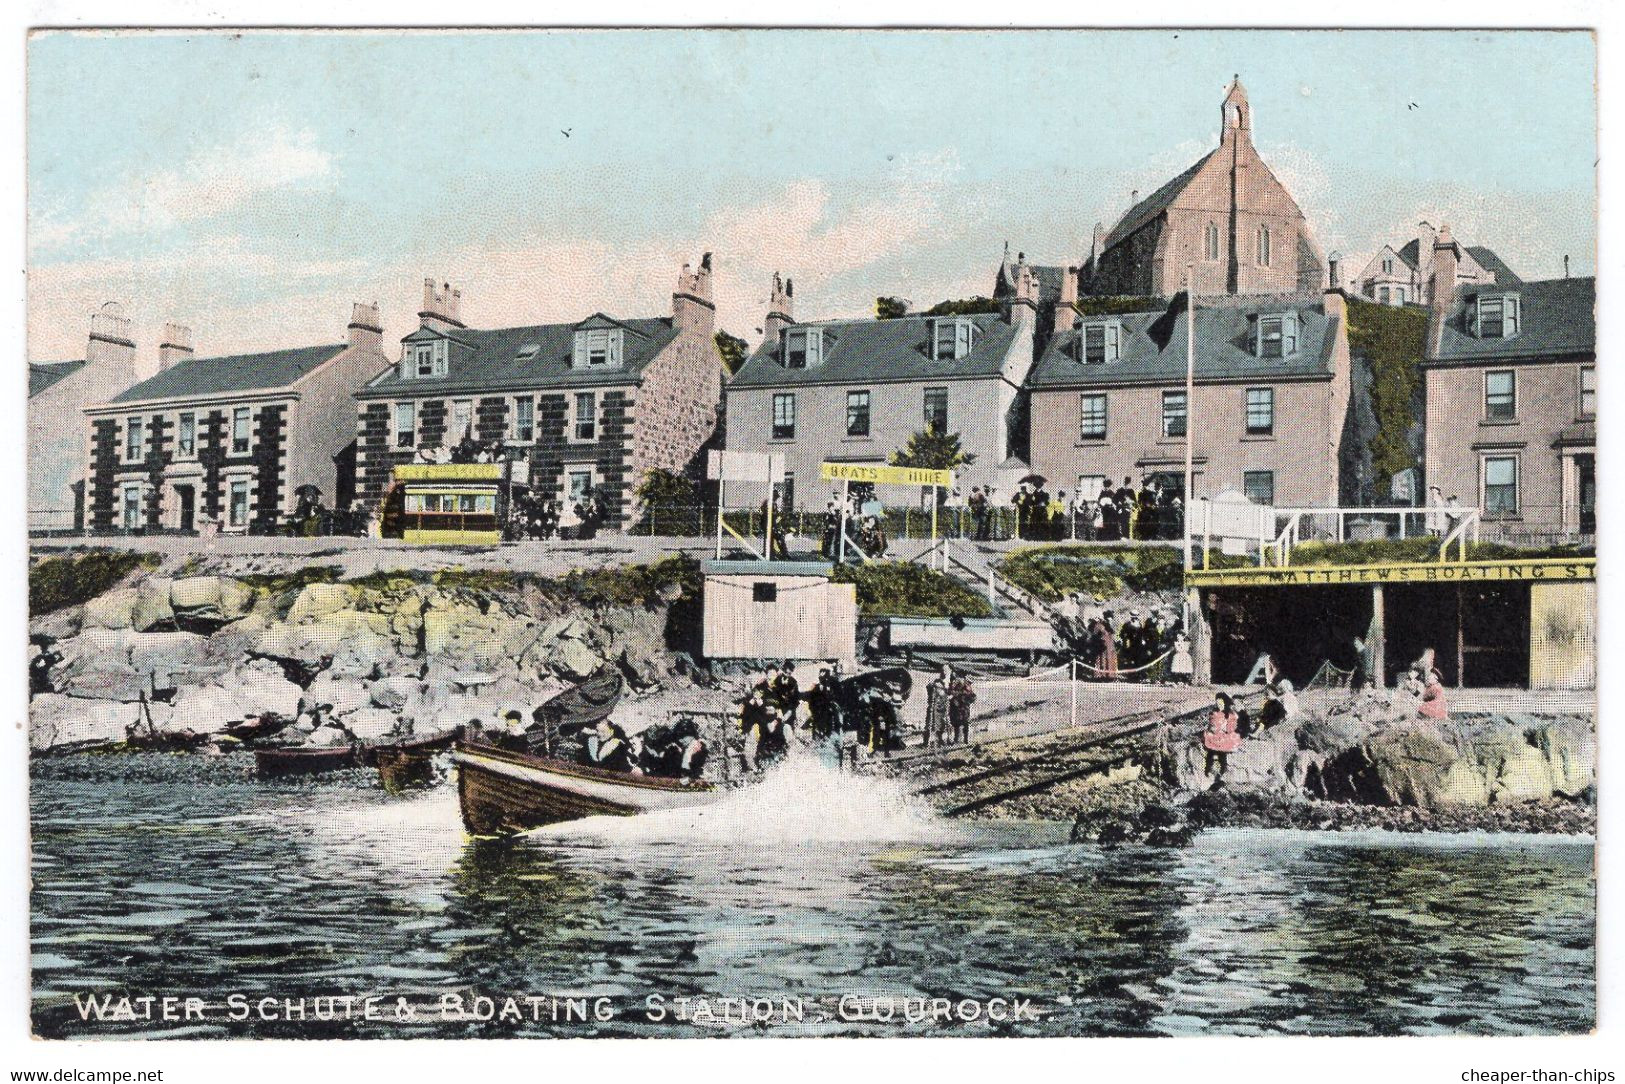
(575,417)
(1511,310)
(140,518)
(248,445)
(181,451)
(516,428)
(466,406)
(1484,459)
(1287,324)
(1268,395)
(1488,416)
(395,429)
(1111,341)
(135,438)
(598,348)
(232,519)
(953,337)
(773,422)
(1581,410)
(1084,414)
(572,471)
(925,407)
(1184,415)
(1246,474)
(868,414)
(811,340)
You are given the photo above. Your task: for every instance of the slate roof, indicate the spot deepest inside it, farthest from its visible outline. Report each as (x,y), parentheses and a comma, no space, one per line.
(488,360)
(42,374)
(194,377)
(1409,252)
(1154,204)
(873,351)
(1153,346)
(1489,261)
(1558,318)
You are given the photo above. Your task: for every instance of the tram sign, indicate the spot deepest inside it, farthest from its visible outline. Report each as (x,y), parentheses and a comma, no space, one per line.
(885,476)
(1539,570)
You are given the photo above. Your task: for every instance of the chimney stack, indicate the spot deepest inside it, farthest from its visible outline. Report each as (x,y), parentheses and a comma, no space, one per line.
(781,310)
(176,346)
(1334,271)
(366,330)
(1024,304)
(1334,304)
(692,310)
(1066,314)
(442,306)
(111,345)
(1446,261)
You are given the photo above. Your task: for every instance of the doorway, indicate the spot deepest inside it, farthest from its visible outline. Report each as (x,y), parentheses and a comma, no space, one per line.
(185,508)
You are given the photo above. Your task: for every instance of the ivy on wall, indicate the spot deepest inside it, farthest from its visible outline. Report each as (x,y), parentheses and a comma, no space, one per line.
(1390,340)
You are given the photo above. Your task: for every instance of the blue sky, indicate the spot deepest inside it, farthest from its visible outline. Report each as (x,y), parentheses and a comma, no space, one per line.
(252,186)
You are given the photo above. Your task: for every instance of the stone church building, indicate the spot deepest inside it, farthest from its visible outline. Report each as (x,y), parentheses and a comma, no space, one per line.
(1228,214)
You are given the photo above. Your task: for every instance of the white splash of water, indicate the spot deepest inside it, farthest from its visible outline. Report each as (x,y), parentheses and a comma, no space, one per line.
(801,800)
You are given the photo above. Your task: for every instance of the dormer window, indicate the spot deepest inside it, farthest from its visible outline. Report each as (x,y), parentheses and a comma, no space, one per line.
(424,360)
(1276,336)
(1100,343)
(803,347)
(598,348)
(528,352)
(953,339)
(1496,316)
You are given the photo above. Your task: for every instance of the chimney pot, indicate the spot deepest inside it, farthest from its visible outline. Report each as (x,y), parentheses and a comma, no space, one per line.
(176,346)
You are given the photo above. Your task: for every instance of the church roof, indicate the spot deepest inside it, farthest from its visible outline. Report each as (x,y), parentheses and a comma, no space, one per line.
(1154,204)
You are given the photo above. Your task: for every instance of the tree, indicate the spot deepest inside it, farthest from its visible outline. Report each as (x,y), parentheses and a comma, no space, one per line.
(930,450)
(733,350)
(965,306)
(670,504)
(890,308)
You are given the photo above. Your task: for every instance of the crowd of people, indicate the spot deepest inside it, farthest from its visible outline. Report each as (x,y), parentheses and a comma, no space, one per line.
(1145,646)
(533,518)
(1151,512)
(864,518)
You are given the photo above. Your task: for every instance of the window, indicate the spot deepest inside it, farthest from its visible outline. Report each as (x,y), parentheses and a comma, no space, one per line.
(1388,267)
(954,339)
(406,425)
(936,410)
(1588,391)
(237,506)
(577,483)
(586,421)
(1210,245)
(1501,485)
(1277,336)
(240,435)
(784,416)
(132,507)
(524,419)
(1259,486)
(186,436)
(135,440)
(598,348)
(1173,413)
(1501,395)
(1094,416)
(462,418)
(1383,295)
(1260,412)
(423,360)
(1101,343)
(1496,316)
(1263,246)
(803,347)
(857,413)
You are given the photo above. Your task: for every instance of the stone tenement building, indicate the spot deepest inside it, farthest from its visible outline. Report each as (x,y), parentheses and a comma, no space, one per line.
(600,402)
(1271,397)
(58,393)
(230,439)
(854,391)
(1402,276)
(1227,214)
(1511,387)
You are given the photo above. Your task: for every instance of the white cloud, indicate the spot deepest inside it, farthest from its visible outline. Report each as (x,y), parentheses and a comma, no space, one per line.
(208,185)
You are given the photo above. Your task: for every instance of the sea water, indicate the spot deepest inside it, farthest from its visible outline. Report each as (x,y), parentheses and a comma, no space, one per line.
(813,903)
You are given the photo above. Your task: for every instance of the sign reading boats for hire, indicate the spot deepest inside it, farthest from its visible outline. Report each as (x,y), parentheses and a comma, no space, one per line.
(885,476)
(378,695)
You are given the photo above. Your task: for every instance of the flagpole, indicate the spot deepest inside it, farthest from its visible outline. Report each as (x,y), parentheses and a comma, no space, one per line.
(1190,404)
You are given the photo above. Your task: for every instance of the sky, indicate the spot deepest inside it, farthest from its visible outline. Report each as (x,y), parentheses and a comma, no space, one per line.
(251,186)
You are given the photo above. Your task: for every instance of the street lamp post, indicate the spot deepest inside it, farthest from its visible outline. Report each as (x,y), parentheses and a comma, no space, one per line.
(1190,408)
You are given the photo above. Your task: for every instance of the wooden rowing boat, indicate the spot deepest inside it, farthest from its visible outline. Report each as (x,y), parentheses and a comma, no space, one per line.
(503,791)
(417,744)
(399,770)
(280,763)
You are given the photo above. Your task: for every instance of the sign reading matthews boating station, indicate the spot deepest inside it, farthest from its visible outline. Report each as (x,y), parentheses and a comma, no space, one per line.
(1545,569)
(885,476)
